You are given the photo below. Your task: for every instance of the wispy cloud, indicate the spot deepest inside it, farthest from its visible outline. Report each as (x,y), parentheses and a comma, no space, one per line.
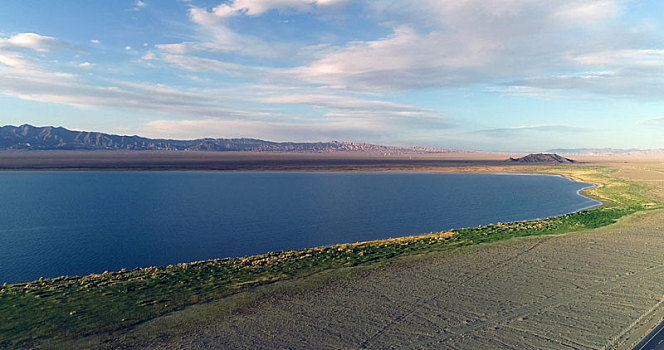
(634,73)
(432,44)
(255,8)
(352,108)
(25,79)
(657,121)
(275,131)
(473,43)
(15,60)
(343,102)
(219,36)
(200,64)
(627,83)
(243,110)
(531,128)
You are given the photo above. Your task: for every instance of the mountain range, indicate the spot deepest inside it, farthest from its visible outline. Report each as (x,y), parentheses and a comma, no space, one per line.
(28,137)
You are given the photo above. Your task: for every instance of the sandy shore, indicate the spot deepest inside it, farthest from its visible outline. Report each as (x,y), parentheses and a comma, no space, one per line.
(597,289)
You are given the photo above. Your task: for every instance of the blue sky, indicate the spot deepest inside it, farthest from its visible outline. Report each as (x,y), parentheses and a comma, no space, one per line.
(505,75)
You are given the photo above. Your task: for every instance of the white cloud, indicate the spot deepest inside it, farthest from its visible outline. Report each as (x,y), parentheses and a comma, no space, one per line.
(15,60)
(402,60)
(139,5)
(32,41)
(254,8)
(127,48)
(149,56)
(220,37)
(433,43)
(85,64)
(455,43)
(174,48)
(579,12)
(95,41)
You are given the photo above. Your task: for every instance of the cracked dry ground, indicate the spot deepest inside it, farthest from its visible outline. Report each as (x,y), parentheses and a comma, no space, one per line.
(596,289)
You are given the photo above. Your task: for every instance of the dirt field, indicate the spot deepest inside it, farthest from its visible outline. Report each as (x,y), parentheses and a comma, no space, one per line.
(587,290)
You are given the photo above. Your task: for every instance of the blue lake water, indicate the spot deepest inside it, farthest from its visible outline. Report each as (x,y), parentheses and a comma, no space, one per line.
(74,223)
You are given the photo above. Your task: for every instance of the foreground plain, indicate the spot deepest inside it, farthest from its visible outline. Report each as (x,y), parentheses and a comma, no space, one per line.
(461,297)
(586,290)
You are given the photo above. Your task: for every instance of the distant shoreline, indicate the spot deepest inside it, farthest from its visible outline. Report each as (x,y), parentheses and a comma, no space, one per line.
(246,161)
(100,160)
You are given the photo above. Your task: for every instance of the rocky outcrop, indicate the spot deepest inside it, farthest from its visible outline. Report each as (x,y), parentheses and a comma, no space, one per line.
(541,158)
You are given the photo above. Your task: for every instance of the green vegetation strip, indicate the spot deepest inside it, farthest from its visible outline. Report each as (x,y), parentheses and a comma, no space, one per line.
(70,307)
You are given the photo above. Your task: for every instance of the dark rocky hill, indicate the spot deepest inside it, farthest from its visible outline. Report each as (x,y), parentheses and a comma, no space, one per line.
(541,158)
(28,137)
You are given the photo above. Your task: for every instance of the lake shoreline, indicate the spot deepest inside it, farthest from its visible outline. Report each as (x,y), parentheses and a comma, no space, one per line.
(584,192)
(392,204)
(624,198)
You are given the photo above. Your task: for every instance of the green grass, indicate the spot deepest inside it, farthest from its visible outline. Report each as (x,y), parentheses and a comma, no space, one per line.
(70,307)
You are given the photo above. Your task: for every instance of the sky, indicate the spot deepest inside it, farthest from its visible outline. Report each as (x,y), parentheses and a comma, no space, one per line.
(498,75)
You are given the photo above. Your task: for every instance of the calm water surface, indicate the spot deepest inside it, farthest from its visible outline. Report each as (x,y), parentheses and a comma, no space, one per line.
(73,223)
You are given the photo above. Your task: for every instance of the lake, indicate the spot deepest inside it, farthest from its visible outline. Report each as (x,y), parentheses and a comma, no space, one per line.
(74,223)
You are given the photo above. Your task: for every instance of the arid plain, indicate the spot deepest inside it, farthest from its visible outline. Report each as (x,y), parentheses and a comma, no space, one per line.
(597,289)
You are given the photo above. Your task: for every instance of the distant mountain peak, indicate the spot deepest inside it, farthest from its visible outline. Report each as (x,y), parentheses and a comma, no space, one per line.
(541,158)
